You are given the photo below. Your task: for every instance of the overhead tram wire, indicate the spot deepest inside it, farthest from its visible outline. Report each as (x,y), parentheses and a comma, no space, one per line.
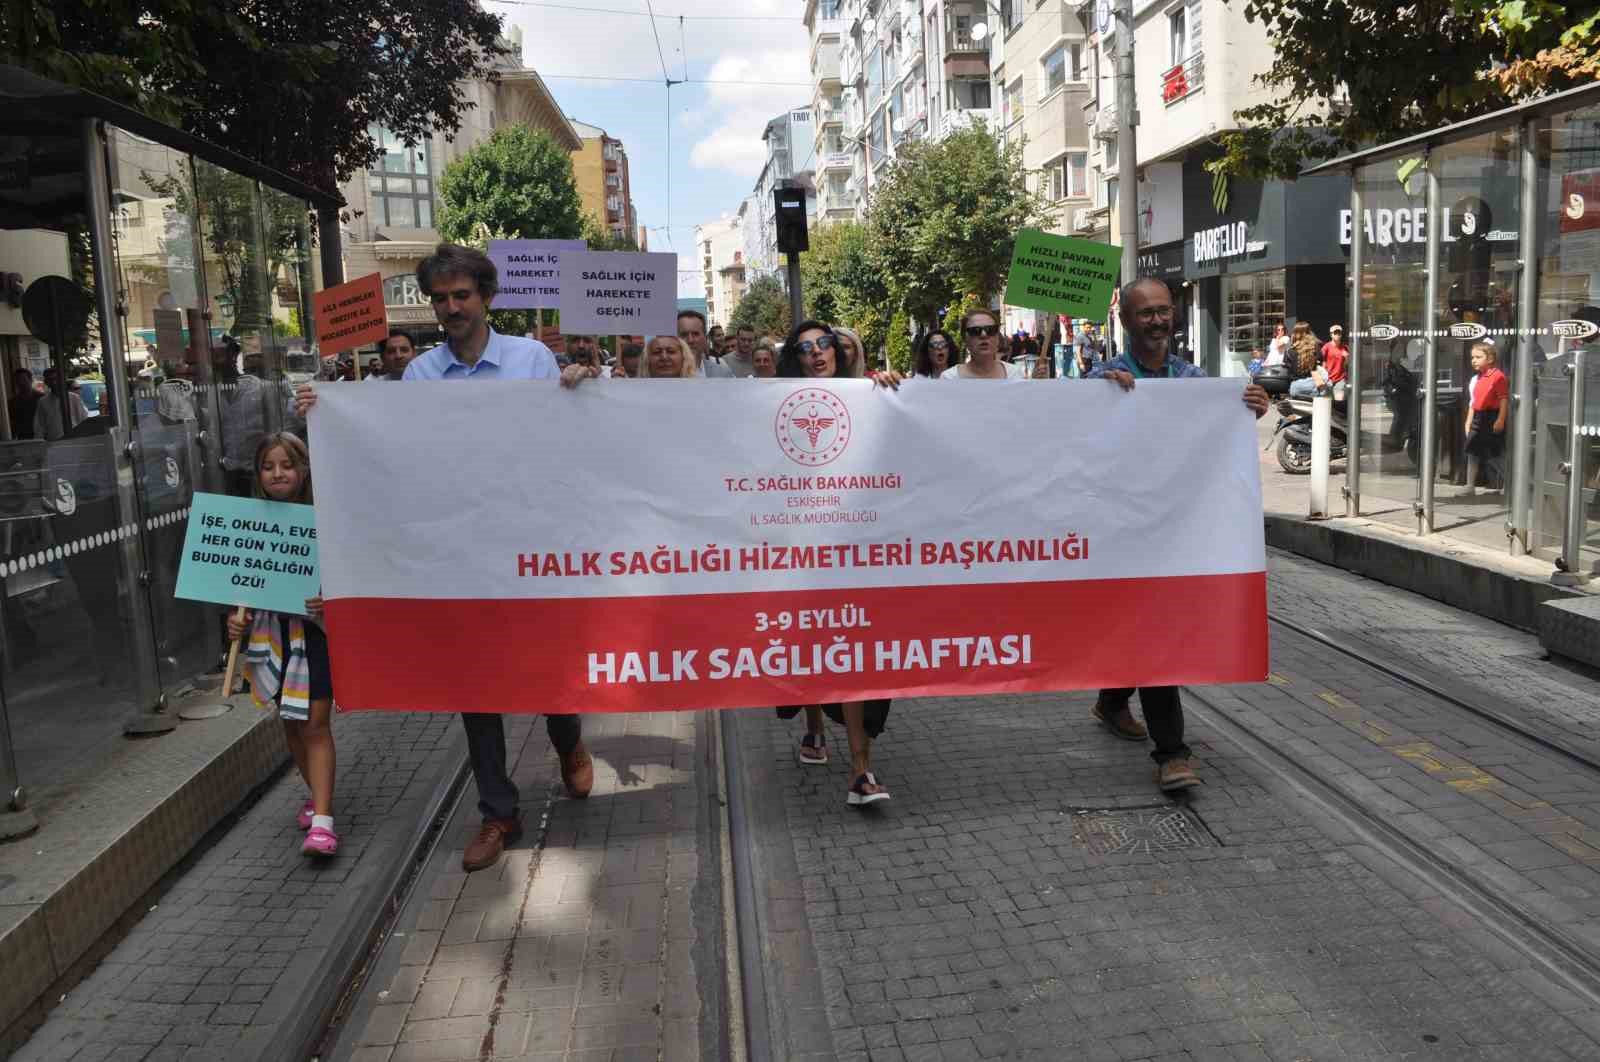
(586,10)
(690,81)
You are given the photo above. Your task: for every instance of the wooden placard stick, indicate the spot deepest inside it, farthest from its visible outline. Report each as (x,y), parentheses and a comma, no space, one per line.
(233,659)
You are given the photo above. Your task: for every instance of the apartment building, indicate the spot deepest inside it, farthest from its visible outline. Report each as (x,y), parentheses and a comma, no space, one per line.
(883,72)
(1041,66)
(789,141)
(721,246)
(1238,256)
(600,168)
(392,205)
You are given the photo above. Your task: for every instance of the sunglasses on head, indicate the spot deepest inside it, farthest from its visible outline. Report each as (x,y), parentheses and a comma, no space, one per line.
(820,343)
(983,330)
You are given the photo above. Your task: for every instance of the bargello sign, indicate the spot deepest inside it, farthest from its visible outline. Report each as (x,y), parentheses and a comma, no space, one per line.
(1225,241)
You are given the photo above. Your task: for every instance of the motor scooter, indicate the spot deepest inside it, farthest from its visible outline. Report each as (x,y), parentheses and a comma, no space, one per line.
(1293,433)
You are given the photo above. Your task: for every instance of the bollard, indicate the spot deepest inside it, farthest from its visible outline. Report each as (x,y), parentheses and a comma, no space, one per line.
(1321,447)
(1569,564)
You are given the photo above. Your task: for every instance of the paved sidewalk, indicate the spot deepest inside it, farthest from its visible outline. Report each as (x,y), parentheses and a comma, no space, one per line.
(594,939)
(222,960)
(1028,894)
(1425,635)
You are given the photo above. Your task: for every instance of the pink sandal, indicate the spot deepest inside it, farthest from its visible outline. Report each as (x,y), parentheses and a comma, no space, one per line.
(305,815)
(320,841)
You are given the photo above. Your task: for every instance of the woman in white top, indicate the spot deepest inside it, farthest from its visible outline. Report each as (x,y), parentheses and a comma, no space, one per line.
(982,331)
(1279,347)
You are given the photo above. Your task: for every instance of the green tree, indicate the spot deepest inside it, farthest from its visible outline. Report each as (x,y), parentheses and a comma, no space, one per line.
(518,184)
(600,238)
(840,281)
(1347,73)
(944,218)
(296,84)
(898,344)
(764,307)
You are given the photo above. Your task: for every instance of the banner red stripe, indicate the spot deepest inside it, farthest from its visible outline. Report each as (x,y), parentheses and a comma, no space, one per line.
(524,655)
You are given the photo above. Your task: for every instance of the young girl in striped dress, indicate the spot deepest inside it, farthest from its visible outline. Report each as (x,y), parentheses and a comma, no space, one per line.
(286,658)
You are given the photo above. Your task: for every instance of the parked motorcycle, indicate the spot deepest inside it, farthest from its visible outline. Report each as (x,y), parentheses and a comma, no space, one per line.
(1293,434)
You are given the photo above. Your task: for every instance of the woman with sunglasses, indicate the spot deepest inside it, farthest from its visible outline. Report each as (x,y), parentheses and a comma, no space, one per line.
(982,329)
(933,354)
(812,352)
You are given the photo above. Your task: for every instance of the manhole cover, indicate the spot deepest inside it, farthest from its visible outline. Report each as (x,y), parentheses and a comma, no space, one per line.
(1139,830)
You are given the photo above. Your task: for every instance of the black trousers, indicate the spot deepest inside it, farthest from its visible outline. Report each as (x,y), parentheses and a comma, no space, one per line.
(1163,717)
(486,751)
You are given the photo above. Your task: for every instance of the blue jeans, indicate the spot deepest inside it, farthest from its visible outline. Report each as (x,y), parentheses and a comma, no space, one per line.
(1305,387)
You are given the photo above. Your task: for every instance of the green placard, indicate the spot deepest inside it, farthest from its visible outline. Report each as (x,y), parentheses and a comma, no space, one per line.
(244,551)
(1060,274)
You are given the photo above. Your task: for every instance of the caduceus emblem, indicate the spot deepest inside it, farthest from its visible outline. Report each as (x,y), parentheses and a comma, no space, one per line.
(813,426)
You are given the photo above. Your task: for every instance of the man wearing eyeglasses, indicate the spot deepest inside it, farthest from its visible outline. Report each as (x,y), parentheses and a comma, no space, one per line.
(461,282)
(1147,315)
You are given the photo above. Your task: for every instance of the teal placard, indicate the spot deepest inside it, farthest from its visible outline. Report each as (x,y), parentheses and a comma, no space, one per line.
(1060,274)
(244,551)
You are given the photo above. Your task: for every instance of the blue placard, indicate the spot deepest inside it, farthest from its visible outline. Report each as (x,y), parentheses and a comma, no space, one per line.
(244,551)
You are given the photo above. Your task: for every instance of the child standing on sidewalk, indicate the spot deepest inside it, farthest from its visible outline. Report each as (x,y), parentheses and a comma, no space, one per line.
(286,658)
(1488,392)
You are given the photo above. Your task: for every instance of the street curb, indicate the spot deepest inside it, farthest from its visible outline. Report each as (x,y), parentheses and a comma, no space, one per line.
(304,1005)
(1425,567)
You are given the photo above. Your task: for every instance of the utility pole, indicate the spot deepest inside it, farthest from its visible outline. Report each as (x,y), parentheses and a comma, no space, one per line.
(1127,148)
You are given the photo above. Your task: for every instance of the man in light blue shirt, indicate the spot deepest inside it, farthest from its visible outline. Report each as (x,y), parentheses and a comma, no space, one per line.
(461,283)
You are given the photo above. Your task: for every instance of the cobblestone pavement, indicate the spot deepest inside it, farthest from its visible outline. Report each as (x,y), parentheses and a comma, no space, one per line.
(1029,895)
(1424,634)
(583,943)
(223,956)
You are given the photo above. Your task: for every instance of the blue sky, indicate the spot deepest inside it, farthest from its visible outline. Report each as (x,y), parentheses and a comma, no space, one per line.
(715,150)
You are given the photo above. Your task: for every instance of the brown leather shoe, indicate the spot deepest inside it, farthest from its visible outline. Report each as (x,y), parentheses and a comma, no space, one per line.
(1176,775)
(493,836)
(1120,721)
(577,771)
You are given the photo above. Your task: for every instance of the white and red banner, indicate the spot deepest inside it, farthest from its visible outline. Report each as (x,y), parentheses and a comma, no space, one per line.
(668,544)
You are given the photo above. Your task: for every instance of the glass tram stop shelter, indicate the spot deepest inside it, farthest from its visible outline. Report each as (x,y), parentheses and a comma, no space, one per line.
(1484,230)
(155,304)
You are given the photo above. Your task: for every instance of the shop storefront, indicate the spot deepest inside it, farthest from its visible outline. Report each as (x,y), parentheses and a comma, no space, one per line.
(168,282)
(1483,232)
(1269,256)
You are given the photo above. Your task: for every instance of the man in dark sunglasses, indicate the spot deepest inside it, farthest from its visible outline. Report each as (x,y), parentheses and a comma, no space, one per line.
(1147,317)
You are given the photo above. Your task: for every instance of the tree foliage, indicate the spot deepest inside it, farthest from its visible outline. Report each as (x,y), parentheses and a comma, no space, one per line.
(764,307)
(944,218)
(518,184)
(295,84)
(600,238)
(841,284)
(898,346)
(1348,73)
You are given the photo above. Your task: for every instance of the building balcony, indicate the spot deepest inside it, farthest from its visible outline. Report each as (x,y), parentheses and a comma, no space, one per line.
(951,121)
(612,165)
(1185,79)
(838,160)
(1105,122)
(965,56)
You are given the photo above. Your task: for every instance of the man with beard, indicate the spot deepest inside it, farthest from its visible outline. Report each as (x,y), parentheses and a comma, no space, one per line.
(461,283)
(1147,316)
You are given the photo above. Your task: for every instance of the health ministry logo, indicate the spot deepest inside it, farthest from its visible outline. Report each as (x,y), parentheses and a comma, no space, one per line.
(813,427)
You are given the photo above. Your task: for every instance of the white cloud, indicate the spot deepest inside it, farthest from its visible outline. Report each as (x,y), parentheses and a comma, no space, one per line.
(739,113)
(725,132)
